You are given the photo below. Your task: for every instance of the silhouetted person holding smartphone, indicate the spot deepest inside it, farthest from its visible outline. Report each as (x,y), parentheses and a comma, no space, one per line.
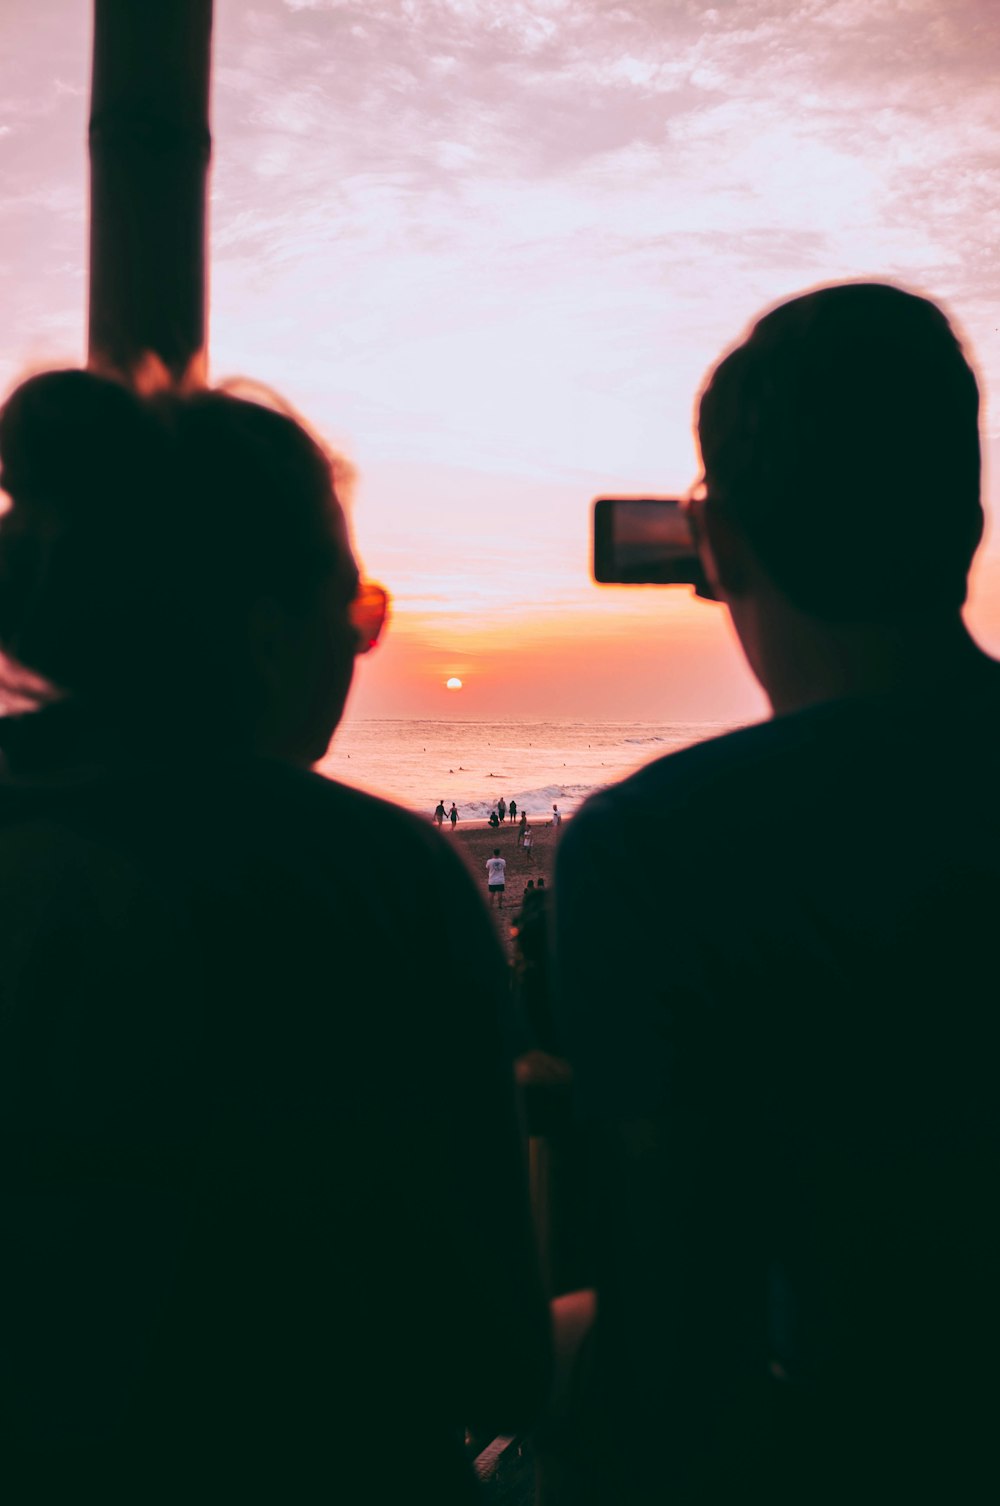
(245,1251)
(785,1038)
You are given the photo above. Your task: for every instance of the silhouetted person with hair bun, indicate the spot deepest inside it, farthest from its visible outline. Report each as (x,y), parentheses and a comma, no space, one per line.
(245,1250)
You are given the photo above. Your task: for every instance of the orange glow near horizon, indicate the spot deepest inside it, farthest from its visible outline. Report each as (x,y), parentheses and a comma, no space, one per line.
(660,650)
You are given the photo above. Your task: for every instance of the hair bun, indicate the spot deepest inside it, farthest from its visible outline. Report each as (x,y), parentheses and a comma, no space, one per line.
(77,446)
(83,460)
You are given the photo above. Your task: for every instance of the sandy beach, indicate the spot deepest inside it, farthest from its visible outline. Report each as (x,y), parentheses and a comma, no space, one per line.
(476,841)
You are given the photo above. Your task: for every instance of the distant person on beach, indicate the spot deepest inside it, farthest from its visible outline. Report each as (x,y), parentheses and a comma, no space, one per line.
(512,811)
(493,820)
(439,813)
(526,840)
(783,1048)
(245,1252)
(453,816)
(556,817)
(496,877)
(521,829)
(502,809)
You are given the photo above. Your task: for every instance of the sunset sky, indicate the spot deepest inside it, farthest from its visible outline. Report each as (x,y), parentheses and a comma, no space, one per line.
(490,248)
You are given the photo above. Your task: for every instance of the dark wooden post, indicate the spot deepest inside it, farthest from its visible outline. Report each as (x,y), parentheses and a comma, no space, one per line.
(150,146)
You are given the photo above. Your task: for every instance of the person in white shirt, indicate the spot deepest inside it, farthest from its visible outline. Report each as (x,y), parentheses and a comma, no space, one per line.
(496,876)
(556,817)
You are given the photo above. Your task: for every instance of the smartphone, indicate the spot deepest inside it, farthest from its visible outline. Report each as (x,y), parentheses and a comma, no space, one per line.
(640,541)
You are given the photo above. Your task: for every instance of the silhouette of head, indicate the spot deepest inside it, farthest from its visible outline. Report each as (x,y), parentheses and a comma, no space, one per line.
(841,436)
(176,562)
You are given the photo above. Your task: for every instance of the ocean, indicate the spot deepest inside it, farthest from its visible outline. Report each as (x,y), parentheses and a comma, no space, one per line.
(416,763)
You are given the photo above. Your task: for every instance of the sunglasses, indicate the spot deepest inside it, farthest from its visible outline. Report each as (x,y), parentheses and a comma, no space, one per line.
(368,613)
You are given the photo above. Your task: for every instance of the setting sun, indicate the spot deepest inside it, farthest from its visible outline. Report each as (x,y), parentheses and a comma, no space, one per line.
(453,684)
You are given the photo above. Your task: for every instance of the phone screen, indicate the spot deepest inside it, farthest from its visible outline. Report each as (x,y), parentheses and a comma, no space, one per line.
(645,541)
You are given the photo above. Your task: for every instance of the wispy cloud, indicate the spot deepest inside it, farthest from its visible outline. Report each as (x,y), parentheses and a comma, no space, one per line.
(602,161)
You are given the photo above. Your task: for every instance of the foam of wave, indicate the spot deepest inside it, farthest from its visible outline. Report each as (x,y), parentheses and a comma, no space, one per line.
(537,802)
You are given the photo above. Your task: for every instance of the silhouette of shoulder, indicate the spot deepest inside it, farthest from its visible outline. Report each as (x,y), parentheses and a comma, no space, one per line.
(844,858)
(843,752)
(225,1043)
